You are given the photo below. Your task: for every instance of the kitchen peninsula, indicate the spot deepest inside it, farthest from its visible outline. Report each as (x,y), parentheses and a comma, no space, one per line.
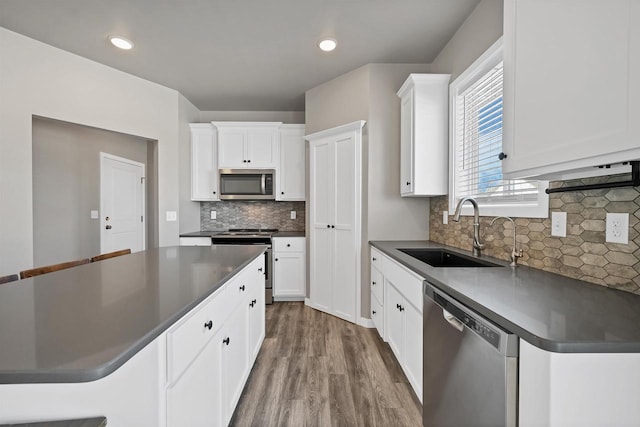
(142,339)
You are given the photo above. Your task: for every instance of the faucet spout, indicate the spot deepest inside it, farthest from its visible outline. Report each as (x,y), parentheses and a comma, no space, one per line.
(478,245)
(515,253)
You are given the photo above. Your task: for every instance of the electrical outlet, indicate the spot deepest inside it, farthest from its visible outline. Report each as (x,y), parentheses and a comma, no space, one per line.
(559,224)
(618,228)
(172,216)
(445,217)
(214,215)
(294,214)
(94,214)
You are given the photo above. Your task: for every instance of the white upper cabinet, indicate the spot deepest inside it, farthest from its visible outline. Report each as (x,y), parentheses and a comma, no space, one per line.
(424,144)
(252,145)
(204,168)
(290,177)
(571,86)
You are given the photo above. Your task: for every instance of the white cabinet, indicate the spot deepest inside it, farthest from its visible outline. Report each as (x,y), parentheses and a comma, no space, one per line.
(398,307)
(195,241)
(335,203)
(252,145)
(289,271)
(204,165)
(290,177)
(424,144)
(571,86)
(256,307)
(235,359)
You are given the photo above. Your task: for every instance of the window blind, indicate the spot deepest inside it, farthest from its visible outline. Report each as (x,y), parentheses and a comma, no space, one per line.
(478,127)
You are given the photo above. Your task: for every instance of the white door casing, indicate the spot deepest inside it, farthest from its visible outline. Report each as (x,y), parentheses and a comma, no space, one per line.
(122,204)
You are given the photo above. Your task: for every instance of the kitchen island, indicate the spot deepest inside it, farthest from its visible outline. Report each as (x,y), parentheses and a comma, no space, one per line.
(579,346)
(131,338)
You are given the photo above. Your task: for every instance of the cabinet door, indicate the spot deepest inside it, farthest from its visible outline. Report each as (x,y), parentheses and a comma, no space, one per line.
(289,274)
(204,165)
(570,89)
(235,358)
(262,147)
(394,327)
(256,322)
(231,148)
(406,143)
(195,399)
(413,347)
(291,173)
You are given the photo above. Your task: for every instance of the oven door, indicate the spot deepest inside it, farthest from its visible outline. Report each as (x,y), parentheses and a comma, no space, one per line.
(247,184)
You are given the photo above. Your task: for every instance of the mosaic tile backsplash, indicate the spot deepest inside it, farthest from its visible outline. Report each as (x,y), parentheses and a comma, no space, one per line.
(582,254)
(250,214)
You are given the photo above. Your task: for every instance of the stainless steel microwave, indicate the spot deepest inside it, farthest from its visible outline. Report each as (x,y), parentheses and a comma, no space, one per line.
(247,184)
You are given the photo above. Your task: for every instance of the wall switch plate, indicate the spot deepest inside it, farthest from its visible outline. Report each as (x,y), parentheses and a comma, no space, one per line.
(214,215)
(172,216)
(559,224)
(95,214)
(618,228)
(445,217)
(294,214)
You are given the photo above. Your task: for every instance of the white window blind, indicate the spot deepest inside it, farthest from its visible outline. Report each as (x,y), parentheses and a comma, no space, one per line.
(476,142)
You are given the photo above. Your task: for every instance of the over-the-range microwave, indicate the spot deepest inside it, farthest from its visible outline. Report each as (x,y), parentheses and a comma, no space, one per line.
(247,184)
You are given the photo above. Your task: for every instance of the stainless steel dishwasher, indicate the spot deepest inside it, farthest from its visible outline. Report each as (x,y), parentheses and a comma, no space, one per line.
(470,366)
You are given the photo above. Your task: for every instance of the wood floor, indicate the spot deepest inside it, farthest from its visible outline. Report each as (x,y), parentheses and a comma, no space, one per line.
(317,370)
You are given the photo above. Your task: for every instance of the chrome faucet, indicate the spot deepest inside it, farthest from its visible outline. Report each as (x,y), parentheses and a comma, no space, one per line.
(515,253)
(477,244)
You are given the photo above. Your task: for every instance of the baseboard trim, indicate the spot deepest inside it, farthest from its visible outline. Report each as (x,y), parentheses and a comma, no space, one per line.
(307,301)
(367,323)
(284,299)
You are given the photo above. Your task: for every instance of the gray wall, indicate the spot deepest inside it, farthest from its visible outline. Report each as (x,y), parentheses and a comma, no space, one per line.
(479,31)
(292,117)
(189,217)
(369,93)
(66,186)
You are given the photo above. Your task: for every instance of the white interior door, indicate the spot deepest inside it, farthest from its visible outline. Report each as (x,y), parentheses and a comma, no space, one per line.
(122,204)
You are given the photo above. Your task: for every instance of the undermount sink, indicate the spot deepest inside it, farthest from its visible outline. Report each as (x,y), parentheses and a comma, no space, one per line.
(445,258)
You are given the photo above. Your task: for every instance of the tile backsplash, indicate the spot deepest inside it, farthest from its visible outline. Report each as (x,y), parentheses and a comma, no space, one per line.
(582,254)
(252,214)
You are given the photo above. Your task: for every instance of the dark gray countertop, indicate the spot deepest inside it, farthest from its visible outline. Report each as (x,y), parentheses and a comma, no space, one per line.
(85,422)
(82,323)
(552,312)
(282,233)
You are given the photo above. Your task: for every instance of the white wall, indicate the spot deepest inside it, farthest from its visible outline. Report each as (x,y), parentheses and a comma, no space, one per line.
(294,117)
(478,32)
(37,79)
(189,217)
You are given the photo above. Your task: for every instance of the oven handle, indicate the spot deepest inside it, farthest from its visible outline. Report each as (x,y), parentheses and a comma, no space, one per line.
(263,184)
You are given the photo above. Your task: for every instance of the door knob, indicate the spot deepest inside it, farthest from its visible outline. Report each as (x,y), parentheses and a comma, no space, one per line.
(108,227)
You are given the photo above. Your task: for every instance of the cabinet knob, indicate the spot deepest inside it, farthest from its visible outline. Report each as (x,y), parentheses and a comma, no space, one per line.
(260,269)
(288,245)
(373,312)
(328,226)
(226,340)
(408,183)
(282,192)
(248,161)
(276,259)
(251,304)
(373,283)
(254,302)
(208,325)
(242,288)
(502,156)
(401,308)
(214,192)
(333,226)
(374,258)
(398,306)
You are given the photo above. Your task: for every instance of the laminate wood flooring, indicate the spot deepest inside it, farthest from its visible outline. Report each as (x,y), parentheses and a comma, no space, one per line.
(317,370)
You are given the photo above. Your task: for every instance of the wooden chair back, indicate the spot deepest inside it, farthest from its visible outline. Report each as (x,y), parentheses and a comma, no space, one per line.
(9,278)
(50,268)
(110,255)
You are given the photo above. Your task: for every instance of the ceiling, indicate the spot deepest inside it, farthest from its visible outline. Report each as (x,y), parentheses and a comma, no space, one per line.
(244,55)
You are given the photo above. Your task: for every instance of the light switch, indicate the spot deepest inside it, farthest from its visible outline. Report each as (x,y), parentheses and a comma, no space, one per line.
(214,215)
(94,214)
(294,215)
(172,216)
(559,224)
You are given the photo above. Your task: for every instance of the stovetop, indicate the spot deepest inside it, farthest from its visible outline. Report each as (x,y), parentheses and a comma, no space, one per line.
(247,232)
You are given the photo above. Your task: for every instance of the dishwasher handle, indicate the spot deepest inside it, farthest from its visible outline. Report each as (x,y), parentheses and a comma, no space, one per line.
(453,321)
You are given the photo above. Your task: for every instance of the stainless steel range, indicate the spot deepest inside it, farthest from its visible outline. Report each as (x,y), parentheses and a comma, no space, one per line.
(251,236)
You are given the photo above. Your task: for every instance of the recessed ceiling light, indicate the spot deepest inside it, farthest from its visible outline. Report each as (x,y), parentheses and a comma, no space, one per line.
(121,42)
(327,44)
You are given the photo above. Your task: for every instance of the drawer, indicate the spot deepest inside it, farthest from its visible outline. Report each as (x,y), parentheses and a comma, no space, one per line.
(288,244)
(377,316)
(377,284)
(406,282)
(376,259)
(190,335)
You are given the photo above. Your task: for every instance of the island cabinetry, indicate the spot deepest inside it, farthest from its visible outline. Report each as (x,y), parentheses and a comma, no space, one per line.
(248,145)
(377,292)
(289,270)
(204,162)
(290,178)
(195,241)
(572,89)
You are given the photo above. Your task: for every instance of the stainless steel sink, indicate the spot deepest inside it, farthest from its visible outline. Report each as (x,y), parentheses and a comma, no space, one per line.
(445,258)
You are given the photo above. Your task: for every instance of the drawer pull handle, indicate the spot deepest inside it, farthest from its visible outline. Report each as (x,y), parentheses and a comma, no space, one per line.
(208,325)
(401,308)
(242,288)
(254,302)
(398,306)
(251,304)
(226,340)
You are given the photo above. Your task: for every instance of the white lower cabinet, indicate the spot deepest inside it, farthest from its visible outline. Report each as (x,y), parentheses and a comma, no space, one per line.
(195,241)
(289,268)
(256,309)
(235,359)
(396,312)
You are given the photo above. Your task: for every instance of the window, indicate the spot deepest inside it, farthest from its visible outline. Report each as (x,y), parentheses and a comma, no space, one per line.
(476,142)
